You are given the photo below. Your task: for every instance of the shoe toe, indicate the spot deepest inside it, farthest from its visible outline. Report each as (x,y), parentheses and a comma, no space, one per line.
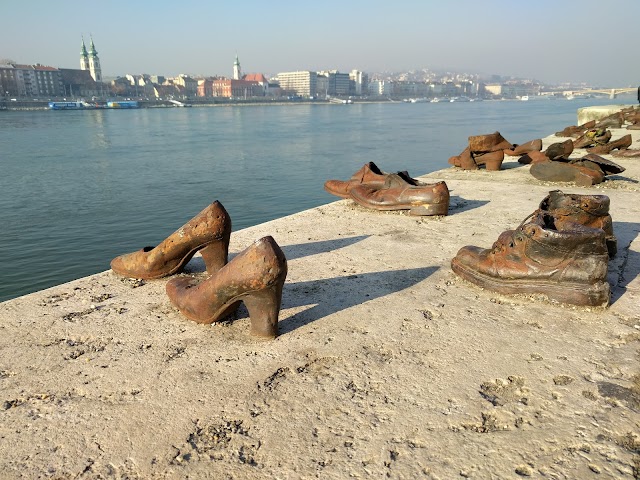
(337,187)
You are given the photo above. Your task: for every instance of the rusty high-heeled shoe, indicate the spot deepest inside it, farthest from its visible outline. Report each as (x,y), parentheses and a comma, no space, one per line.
(207,232)
(255,277)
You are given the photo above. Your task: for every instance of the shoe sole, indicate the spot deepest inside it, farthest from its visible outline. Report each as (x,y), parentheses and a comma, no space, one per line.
(417,210)
(571,293)
(560,172)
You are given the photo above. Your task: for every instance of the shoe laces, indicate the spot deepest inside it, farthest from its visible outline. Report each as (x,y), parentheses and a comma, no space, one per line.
(518,235)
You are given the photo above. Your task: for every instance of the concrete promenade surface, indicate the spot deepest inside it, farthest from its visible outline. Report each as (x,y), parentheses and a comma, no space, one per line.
(387,363)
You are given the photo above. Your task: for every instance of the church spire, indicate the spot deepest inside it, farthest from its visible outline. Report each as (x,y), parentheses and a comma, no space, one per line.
(92,49)
(84,56)
(94,62)
(237,73)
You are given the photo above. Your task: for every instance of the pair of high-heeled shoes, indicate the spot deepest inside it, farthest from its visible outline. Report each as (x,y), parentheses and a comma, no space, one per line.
(255,276)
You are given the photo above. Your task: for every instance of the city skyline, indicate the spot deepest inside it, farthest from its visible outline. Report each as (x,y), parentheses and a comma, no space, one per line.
(553,42)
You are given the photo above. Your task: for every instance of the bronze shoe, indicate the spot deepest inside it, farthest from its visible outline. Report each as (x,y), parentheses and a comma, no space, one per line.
(399,194)
(594,136)
(488,143)
(576,131)
(523,149)
(622,143)
(566,262)
(584,174)
(255,276)
(559,150)
(207,232)
(464,160)
(369,173)
(491,160)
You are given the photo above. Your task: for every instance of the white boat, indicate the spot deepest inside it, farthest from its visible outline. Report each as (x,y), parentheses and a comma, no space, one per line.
(436,100)
(418,100)
(524,98)
(570,97)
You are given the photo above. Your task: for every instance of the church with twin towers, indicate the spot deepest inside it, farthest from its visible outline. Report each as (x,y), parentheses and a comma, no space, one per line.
(90,61)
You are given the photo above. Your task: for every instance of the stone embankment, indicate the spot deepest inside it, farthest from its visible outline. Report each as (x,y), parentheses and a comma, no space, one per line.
(387,363)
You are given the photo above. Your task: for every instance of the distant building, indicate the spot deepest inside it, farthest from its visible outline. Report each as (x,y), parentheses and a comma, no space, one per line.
(230,88)
(237,72)
(31,80)
(79,83)
(301,83)
(336,83)
(359,83)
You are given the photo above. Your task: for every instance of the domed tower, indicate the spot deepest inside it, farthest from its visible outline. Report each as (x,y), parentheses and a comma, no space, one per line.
(84,57)
(237,73)
(94,63)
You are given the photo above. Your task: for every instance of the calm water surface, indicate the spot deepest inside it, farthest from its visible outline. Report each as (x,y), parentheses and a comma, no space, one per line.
(79,188)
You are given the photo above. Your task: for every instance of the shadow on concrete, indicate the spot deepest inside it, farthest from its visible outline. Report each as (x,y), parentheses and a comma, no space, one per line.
(458,204)
(312,248)
(332,295)
(196,265)
(625,266)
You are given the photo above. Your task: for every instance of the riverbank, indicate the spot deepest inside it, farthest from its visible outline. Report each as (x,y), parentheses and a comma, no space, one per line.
(387,364)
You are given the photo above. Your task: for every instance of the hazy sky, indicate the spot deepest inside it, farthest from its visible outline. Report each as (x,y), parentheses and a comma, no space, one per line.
(550,40)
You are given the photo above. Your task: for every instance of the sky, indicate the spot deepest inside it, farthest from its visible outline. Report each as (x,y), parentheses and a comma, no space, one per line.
(553,41)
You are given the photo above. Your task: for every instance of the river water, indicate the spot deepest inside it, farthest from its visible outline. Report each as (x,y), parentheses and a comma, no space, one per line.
(79,188)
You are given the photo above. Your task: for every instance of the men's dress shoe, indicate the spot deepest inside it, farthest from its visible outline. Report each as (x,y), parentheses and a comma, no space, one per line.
(488,143)
(566,261)
(531,146)
(615,120)
(255,277)
(588,210)
(559,150)
(369,173)
(398,194)
(580,173)
(622,143)
(207,232)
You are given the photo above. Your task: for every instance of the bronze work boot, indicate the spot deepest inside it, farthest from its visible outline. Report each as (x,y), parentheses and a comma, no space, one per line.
(255,277)
(523,149)
(488,143)
(566,262)
(588,210)
(369,173)
(621,144)
(207,232)
(399,194)
(584,174)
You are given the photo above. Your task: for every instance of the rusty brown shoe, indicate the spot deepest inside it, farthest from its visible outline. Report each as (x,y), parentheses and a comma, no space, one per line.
(567,262)
(401,193)
(207,232)
(581,173)
(369,173)
(489,142)
(255,276)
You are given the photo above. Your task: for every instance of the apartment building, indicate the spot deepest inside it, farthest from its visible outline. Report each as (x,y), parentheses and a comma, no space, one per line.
(301,83)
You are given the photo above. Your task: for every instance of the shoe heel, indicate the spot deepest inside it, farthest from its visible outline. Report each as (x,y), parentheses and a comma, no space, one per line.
(215,254)
(264,306)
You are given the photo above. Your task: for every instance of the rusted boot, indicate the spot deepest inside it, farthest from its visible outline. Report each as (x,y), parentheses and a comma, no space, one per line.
(559,150)
(207,232)
(399,194)
(491,160)
(584,174)
(588,210)
(565,261)
(488,143)
(531,146)
(255,277)
(619,144)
